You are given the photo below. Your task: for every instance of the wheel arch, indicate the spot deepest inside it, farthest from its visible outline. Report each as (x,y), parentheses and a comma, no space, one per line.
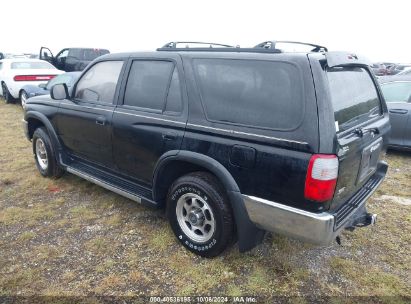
(36,120)
(175,164)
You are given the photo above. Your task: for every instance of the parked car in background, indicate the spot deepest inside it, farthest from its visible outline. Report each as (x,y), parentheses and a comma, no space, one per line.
(379,69)
(406,71)
(16,73)
(29,91)
(71,59)
(397,68)
(1,56)
(397,94)
(230,141)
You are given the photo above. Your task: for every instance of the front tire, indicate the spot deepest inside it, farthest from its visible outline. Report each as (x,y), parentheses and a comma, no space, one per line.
(23,98)
(6,94)
(200,214)
(44,154)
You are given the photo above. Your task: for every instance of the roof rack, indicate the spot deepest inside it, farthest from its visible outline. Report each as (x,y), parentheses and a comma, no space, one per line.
(214,47)
(174,44)
(272,45)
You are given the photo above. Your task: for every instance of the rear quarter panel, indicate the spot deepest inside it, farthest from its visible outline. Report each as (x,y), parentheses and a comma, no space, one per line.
(265,163)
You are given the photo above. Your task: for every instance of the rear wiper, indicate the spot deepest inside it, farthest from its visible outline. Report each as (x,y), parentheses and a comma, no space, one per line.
(361,131)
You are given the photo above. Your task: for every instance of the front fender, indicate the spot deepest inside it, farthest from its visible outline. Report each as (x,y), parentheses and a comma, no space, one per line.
(33,115)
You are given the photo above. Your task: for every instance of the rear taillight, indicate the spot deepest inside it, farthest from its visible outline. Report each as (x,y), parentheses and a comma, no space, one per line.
(321,177)
(33,77)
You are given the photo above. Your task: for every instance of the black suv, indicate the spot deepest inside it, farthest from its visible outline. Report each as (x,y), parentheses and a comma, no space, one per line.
(231,141)
(71,59)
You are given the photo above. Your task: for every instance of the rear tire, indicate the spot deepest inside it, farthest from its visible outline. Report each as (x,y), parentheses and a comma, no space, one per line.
(200,214)
(44,154)
(6,94)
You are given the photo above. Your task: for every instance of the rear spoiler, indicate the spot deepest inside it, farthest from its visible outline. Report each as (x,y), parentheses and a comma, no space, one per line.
(336,59)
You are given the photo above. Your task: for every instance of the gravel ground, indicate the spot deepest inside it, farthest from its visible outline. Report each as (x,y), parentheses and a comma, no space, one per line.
(70,238)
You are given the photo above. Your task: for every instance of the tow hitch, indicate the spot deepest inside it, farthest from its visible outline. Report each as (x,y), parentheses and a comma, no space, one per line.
(363,221)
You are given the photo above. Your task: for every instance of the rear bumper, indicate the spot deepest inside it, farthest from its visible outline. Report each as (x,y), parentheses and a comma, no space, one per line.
(317,228)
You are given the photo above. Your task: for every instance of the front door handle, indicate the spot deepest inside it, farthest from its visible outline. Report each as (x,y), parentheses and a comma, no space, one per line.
(398,111)
(101,120)
(169,136)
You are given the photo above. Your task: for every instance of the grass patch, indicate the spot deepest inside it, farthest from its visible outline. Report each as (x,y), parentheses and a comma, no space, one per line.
(26,236)
(368,280)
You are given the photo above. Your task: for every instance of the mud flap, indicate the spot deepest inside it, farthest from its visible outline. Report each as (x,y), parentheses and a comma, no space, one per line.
(248,234)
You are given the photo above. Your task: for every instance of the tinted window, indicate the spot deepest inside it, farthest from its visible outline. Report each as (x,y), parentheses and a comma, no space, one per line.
(353,95)
(250,92)
(91,54)
(397,91)
(99,83)
(32,65)
(147,84)
(174,101)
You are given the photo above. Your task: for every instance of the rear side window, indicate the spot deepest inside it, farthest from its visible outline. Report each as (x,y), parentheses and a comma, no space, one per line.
(151,84)
(397,91)
(263,94)
(353,95)
(91,54)
(99,83)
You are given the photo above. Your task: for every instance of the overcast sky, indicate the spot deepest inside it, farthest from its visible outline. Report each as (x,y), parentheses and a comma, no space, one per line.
(376,29)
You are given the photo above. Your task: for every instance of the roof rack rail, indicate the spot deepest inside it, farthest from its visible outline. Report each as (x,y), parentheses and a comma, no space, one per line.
(272,45)
(213,47)
(174,44)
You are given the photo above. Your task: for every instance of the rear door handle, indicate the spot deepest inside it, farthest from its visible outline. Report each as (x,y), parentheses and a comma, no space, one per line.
(398,111)
(101,120)
(169,136)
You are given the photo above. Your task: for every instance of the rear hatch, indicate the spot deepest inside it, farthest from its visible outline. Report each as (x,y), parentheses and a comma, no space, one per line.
(361,124)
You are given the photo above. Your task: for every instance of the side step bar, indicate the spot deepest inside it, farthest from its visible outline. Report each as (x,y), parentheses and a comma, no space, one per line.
(104,184)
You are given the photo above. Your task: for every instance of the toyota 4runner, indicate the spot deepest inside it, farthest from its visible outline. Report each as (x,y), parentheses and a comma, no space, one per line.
(231,141)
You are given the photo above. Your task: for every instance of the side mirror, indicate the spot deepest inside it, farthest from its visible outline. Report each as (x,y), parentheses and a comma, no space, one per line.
(59,92)
(42,85)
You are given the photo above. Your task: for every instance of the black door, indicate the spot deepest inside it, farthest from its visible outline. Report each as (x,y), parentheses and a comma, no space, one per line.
(85,123)
(150,118)
(46,54)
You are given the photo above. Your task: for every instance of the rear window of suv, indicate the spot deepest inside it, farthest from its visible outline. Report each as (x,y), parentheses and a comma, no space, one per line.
(31,65)
(255,93)
(353,95)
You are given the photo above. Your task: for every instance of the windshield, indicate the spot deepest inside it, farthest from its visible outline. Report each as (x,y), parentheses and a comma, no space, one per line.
(354,96)
(36,65)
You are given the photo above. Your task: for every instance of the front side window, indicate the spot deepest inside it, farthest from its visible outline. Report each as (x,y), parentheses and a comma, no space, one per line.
(99,83)
(63,54)
(397,91)
(353,95)
(262,94)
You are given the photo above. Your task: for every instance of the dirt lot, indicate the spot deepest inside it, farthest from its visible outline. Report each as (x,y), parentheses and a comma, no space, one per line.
(70,237)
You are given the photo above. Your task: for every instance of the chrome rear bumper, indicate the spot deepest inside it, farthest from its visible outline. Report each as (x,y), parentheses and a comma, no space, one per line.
(316,228)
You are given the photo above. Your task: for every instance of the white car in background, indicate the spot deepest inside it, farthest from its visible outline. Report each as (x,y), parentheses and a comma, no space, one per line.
(18,72)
